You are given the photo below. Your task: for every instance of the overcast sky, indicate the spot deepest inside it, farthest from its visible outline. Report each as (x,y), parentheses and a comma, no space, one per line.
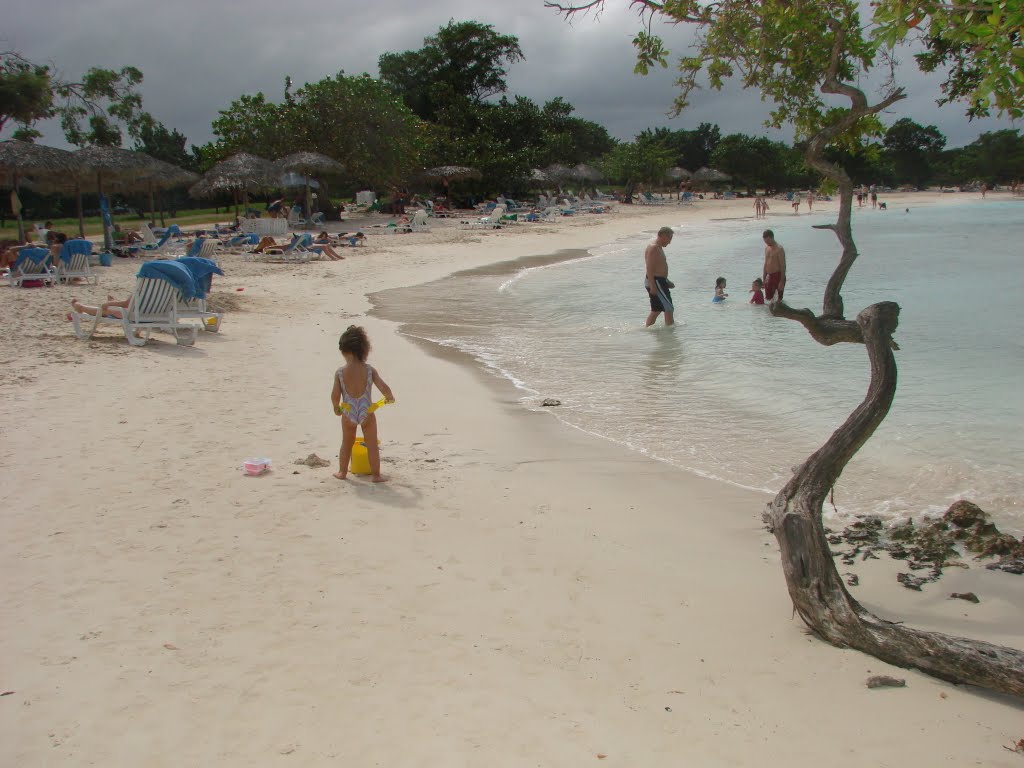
(200,55)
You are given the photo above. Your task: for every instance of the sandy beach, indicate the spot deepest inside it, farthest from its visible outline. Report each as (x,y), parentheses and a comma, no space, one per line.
(519,593)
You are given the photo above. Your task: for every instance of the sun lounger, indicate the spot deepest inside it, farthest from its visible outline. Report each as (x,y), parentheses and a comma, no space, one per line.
(73,263)
(31,267)
(152,307)
(493,221)
(203,269)
(297,251)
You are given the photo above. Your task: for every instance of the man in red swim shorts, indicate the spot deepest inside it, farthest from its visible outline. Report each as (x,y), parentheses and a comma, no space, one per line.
(774,272)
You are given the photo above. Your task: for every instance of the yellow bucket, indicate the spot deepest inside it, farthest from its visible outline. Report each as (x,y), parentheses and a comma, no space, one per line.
(360,464)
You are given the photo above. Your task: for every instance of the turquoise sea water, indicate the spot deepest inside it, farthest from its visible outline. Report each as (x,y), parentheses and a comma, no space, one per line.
(735,394)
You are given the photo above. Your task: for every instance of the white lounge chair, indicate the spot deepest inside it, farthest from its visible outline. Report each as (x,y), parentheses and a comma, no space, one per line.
(196,308)
(419,222)
(73,263)
(492,221)
(295,252)
(152,307)
(162,247)
(32,264)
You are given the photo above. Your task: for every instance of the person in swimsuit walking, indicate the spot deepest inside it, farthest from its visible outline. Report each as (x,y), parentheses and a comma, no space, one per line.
(658,286)
(353,388)
(774,272)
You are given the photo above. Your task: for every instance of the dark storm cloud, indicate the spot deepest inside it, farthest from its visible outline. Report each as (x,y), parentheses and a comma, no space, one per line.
(200,55)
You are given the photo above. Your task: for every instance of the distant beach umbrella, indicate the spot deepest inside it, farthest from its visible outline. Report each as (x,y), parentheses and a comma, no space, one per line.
(40,164)
(710,175)
(538,175)
(241,173)
(679,174)
(452,173)
(309,164)
(559,173)
(586,172)
(130,169)
(292,180)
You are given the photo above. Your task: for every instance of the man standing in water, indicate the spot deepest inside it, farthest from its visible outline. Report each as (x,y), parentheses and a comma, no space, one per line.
(774,272)
(659,287)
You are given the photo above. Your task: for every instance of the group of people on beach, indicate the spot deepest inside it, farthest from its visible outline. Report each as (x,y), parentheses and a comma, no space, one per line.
(769,286)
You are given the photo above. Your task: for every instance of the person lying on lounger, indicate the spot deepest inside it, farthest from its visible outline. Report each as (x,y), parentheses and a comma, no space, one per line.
(110,308)
(125,236)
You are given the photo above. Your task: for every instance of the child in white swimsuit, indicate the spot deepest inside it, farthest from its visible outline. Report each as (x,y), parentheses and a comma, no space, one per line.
(353,386)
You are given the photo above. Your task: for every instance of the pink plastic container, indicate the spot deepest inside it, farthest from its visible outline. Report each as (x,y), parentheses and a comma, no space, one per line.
(256,466)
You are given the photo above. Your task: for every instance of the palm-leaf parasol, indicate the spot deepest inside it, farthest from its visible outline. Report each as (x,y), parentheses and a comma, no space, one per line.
(241,172)
(678,173)
(309,164)
(163,175)
(710,175)
(559,173)
(124,166)
(452,173)
(19,159)
(585,172)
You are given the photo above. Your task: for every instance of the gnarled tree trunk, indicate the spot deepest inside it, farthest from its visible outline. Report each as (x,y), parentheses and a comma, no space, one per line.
(795,516)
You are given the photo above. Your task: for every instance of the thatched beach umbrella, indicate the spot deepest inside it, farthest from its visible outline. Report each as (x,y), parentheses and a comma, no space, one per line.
(586,172)
(20,159)
(679,174)
(452,173)
(123,166)
(241,172)
(710,175)
(161,176)
(538,175)
(309,164)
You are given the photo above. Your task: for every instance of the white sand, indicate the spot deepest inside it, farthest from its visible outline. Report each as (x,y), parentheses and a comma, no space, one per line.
(520,594)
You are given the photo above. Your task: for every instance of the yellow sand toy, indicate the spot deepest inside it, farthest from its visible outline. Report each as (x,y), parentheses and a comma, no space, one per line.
(360,463)
(345,407)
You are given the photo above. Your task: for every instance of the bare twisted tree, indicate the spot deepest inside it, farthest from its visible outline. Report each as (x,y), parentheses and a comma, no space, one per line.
(793,56)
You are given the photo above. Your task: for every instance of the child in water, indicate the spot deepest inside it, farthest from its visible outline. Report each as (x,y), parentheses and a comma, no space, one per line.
(757,291)
(351,397)
(720,293)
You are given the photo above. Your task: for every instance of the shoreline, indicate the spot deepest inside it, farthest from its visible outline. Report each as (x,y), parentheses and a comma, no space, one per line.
(163,607)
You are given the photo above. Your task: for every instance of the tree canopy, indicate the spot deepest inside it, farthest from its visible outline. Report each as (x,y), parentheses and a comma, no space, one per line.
(95,109)
(356,120)
(464,62)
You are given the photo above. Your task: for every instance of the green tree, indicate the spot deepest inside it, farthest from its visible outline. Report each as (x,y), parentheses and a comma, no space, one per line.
(754,161)
(796,55)
(96,109)
(251,124)
(912,149)
(642,161)
(996,157)
(692,149)
(463,61)
(26,93)
(356,120)
(163,144)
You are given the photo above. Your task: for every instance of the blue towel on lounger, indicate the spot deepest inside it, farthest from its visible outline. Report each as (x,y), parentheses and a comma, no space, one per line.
(36,255)
(174,272)
(202,272)
(71,247)
(195,248)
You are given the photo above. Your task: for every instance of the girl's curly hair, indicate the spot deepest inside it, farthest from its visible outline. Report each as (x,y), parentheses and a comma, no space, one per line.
(355,341)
